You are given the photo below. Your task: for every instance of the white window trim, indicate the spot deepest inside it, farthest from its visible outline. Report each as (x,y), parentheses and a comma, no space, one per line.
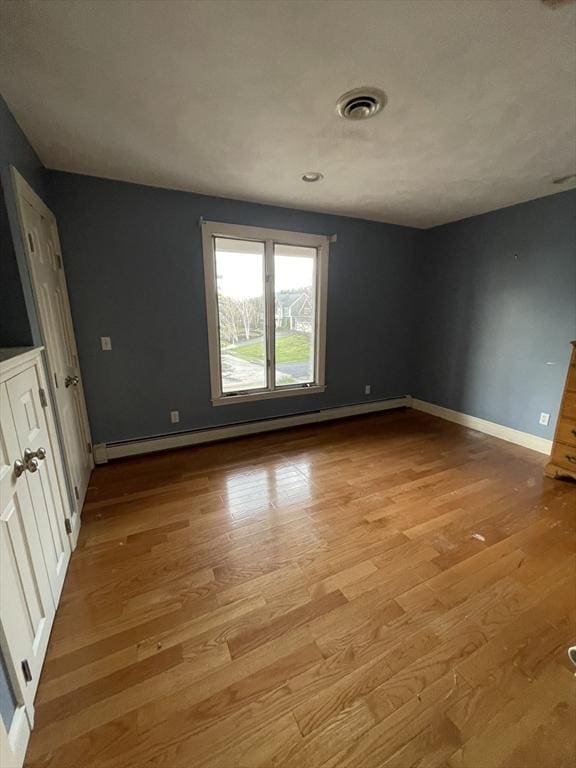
(211,229)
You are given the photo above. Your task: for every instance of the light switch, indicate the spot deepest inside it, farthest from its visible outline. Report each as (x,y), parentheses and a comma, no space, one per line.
(106,343)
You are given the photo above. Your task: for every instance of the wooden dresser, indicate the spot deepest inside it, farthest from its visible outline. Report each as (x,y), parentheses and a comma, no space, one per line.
(563,458)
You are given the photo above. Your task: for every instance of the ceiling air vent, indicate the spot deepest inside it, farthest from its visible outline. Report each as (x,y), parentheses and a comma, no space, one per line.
(361,103)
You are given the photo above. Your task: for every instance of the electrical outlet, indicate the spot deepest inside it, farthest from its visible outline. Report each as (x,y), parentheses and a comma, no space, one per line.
(174,417)
(544,419)
(106,343)
(367,389)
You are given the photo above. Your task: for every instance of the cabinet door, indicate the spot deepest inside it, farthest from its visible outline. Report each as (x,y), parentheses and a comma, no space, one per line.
(32,431)
(26,601)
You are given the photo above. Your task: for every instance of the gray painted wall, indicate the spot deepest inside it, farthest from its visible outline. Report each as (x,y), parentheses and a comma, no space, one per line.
(15,328)
(133,258)
(7,700)
(18,323)
(499,311)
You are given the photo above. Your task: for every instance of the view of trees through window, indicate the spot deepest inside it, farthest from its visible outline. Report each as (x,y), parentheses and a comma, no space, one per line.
(240,274)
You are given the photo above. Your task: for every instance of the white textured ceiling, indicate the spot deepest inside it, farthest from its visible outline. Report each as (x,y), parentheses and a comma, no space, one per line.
(237,99)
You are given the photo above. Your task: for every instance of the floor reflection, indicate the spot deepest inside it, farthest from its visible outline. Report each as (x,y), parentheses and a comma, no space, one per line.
(263,491)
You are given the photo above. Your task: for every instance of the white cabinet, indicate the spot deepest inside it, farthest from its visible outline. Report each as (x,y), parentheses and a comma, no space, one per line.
(37,452)
(34,545)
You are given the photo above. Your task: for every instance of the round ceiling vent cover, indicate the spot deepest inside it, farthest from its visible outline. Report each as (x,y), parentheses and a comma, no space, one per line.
(361,103)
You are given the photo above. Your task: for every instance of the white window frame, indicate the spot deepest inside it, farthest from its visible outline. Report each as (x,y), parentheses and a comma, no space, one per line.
(270,237)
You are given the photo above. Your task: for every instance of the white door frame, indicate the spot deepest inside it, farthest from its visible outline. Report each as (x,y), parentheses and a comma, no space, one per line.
(24,192)
(15,737)
(14,741)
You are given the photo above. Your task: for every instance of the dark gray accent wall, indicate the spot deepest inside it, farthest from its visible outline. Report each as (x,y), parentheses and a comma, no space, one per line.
(7,698)
(15,330)
(18,321)
(498,312)
(133,258)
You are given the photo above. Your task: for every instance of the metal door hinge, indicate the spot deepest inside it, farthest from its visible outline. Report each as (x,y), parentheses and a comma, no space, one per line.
(89,447)
(76,493)
(68,525)
(26,671)
(55,380)
(43,400)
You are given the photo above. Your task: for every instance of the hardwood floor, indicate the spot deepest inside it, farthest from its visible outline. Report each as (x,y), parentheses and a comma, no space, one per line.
(393,590)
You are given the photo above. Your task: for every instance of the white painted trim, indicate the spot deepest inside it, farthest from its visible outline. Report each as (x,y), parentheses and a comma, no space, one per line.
(13,743)
(76,522)
(212,229)
(211,312)
(270,315)
(57,451)
(25,193)
(321,310)
(284,236)
(19,361)
(269,394)
(103,452)
(535,443)
(100,453)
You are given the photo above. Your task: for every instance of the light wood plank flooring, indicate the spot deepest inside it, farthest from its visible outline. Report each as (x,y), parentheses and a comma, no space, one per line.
(392,590)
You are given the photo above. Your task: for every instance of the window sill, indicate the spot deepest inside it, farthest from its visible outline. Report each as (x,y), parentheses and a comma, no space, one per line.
(248,397)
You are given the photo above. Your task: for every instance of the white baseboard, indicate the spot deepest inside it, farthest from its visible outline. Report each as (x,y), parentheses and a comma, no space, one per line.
(104,452)
(76,523)
(13,744)
(525,439)
(100,453)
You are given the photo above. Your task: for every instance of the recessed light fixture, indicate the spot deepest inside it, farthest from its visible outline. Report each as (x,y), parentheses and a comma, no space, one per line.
(361,103)
(564,179)
(312,176)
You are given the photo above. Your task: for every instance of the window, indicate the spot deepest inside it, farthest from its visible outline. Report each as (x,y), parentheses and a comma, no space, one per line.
(266,302)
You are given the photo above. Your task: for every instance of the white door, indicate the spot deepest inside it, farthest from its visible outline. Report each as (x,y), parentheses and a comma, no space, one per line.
(36,449)
(26,601)
(42,245)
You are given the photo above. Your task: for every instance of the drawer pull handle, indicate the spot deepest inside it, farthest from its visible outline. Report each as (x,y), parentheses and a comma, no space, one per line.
(571,458)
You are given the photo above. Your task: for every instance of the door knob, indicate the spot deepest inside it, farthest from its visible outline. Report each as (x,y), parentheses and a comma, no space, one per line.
(30,465)
(75,380)
(38,454)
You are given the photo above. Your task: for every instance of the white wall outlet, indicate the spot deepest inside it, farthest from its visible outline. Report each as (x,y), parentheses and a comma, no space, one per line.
(174,417)
(544,419)
(106,343)
(367,389)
